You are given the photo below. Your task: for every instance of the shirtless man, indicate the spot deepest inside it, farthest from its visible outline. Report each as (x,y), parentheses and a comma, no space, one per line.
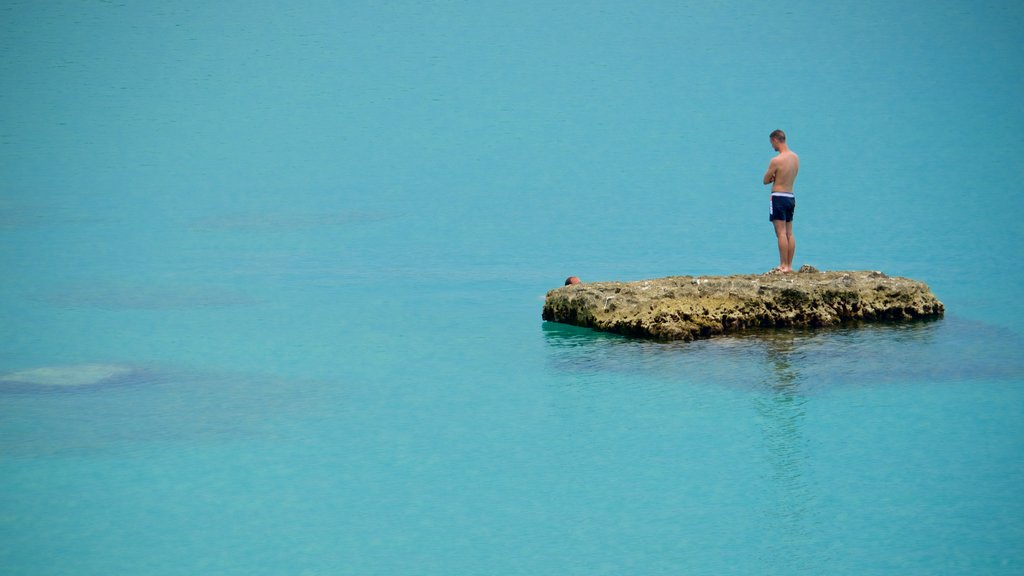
(781,175)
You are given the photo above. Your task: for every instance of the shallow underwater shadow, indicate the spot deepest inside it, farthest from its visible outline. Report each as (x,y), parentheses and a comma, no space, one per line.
(141,408)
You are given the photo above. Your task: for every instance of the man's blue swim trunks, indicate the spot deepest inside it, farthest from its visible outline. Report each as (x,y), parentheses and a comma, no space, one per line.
(782,206)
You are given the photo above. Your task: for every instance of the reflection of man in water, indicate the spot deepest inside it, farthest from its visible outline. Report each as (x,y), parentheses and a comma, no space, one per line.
(781,175)
(783,418)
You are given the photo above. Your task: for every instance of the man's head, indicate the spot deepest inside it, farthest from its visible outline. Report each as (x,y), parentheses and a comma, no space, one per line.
(777,137)
(572,280)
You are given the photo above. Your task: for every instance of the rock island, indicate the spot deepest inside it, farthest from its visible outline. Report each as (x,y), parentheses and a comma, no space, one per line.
(692,307)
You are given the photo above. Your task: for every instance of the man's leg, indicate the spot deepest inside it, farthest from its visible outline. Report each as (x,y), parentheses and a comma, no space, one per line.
(792,245)
(783,239)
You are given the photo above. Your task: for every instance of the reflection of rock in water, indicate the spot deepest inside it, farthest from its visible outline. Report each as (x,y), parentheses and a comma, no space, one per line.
(74,377)
(945,350)
(581,350)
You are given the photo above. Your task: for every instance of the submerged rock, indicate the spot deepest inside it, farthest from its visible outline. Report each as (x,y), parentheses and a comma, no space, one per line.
(70,377)
(688,307)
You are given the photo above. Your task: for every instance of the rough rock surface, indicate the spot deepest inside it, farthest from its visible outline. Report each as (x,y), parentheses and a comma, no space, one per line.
(692,307)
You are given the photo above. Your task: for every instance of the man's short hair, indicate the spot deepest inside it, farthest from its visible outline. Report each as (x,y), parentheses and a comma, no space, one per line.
(778,136)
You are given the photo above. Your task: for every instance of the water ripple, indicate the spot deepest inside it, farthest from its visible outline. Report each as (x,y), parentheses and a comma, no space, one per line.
(145,297)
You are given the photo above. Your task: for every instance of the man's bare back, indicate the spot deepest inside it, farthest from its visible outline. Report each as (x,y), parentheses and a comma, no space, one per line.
(782,169)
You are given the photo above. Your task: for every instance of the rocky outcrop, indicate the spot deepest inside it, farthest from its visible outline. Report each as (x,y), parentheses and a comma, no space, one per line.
(692,307)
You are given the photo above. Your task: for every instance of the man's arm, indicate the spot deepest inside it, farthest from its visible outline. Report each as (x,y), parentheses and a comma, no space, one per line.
(769,176)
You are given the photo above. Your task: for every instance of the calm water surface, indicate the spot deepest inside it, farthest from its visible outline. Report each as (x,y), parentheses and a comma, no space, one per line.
(310,244)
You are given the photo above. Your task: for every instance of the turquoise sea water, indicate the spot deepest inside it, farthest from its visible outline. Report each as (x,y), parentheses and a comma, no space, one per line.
(317,238)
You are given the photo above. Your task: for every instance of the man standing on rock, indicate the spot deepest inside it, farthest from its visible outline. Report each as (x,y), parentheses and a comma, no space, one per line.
(781,175)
